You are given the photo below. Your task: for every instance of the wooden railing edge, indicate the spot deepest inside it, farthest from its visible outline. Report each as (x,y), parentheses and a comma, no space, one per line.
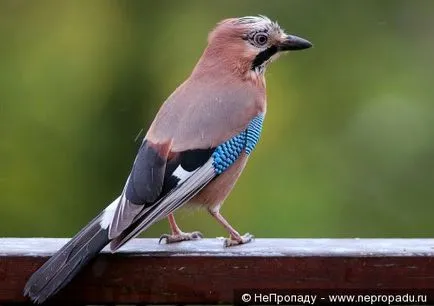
(205,272)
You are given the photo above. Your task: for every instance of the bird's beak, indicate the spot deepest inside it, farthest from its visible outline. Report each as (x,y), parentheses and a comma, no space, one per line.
(292,42)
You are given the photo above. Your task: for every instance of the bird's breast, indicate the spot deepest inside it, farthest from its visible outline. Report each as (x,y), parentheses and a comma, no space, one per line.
(213,194)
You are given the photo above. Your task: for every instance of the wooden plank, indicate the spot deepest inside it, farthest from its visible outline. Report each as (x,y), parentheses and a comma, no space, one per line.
(204,272)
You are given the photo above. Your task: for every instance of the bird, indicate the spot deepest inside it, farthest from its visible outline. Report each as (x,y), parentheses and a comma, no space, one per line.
(193,153)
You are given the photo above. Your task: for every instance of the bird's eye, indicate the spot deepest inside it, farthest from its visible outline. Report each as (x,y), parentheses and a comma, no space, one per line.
(260,39)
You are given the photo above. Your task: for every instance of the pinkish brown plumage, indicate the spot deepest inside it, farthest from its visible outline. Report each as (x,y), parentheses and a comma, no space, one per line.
(218,100)
(194,151)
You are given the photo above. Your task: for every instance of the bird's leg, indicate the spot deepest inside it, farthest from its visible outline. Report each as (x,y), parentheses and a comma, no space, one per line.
(235,238)
(178,235)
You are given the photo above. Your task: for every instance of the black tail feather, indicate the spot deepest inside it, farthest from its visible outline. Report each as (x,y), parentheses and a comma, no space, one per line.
(67,262)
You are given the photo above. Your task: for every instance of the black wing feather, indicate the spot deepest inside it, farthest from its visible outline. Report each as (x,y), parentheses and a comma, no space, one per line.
(146,179)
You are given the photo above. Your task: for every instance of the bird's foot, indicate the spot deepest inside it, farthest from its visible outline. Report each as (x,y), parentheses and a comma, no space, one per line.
(246,238)
(180,237)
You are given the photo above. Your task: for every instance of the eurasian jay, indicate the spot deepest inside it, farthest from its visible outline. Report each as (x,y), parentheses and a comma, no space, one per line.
(193,152)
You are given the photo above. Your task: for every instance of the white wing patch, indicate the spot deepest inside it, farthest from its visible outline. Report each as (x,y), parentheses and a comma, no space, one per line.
(124,214)
(182,174)
(108,214)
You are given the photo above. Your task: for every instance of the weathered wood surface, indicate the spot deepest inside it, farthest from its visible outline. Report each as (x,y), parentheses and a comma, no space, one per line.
(204,272)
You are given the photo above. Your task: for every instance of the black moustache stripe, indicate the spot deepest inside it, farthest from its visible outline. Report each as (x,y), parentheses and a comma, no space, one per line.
(264,56)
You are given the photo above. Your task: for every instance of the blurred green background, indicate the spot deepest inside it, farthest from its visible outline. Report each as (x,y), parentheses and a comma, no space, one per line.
(348,142)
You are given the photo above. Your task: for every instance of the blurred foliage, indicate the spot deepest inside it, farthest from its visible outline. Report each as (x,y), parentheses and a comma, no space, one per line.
(348,142)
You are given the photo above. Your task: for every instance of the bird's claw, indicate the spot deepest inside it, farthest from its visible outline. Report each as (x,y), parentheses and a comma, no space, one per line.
(232,241)
(180,237)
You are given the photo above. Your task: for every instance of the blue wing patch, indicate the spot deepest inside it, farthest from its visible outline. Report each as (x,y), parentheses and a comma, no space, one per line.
(228,152)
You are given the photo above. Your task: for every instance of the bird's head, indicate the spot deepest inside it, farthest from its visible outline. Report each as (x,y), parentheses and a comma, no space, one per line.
(249,44)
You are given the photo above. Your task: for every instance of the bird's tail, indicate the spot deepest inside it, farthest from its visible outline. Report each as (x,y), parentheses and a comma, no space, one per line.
(67,262)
